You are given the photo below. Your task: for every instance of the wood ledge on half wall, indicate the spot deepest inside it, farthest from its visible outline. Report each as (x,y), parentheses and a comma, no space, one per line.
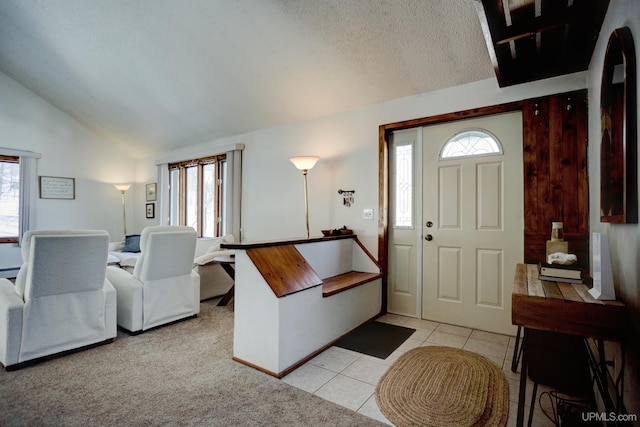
(286,271)
(268,243)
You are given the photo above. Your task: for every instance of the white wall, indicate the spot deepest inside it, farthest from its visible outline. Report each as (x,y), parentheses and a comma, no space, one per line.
(624,239)
(27,122)
(273,197)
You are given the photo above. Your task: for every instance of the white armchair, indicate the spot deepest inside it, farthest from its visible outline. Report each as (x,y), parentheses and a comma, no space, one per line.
(214,281)
(163,287)
(61,300)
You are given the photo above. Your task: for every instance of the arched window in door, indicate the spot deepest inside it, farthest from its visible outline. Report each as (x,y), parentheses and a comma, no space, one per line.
(471,143)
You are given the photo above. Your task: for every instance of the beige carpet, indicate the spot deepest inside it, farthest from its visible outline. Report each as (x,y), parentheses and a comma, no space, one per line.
(179,375)
(442,387)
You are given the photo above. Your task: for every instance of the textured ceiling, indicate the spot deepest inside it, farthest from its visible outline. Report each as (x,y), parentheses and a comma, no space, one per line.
(152,75)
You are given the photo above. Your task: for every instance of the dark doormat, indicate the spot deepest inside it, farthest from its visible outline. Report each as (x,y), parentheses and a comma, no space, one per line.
(376,339)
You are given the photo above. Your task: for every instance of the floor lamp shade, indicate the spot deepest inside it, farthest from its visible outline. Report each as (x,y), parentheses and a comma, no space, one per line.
(305,163)
(122,187)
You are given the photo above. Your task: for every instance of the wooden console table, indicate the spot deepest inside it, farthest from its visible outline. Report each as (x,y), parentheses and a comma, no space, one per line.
(560,307)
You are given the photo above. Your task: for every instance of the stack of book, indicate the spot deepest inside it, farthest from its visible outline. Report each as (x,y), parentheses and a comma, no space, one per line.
(560,273)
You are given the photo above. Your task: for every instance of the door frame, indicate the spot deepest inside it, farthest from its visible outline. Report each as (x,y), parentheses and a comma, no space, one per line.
(384,134)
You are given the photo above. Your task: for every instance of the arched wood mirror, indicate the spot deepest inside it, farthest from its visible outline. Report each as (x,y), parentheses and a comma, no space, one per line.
(618,149)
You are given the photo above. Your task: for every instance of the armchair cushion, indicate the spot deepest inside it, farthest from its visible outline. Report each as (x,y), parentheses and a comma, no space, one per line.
(168,252)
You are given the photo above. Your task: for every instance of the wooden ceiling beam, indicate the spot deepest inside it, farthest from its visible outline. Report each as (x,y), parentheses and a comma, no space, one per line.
(560,40)
(531,33)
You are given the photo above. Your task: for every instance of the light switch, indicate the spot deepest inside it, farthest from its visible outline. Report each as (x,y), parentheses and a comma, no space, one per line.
(367,213)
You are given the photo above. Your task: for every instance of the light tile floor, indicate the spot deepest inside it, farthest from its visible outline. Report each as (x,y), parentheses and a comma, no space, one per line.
(349,378)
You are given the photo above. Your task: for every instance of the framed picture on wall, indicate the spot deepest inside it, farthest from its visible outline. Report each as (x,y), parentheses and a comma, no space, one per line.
(55,187)
(152,192)
(151,210)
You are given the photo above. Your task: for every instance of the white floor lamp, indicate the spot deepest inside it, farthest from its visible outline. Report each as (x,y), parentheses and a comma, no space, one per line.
(123,189)
(305,164)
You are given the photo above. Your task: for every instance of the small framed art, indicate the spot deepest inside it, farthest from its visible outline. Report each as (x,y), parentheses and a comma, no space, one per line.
(151,210)
(152,192)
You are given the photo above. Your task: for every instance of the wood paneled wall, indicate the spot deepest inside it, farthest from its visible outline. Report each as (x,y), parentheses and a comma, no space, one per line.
(555,173)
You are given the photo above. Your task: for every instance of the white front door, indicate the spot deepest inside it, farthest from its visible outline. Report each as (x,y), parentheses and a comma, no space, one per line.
(472,226)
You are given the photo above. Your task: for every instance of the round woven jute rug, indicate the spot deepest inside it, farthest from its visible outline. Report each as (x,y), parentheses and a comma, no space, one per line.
(443,387)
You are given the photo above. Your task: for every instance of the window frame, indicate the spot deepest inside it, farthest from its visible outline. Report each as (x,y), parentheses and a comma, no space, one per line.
(7,158)
(182,199)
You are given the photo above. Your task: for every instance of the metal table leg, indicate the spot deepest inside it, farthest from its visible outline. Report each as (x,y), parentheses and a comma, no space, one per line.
(523,380)
(517,352)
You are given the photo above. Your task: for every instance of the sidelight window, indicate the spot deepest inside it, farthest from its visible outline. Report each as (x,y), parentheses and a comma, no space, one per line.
(403,154)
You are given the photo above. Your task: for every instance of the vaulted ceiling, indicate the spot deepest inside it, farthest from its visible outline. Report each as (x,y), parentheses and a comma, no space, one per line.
(152,75)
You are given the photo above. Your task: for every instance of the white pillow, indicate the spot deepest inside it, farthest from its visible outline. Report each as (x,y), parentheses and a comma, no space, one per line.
(217,241)
(116,246)
(214,245)
(210,256)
